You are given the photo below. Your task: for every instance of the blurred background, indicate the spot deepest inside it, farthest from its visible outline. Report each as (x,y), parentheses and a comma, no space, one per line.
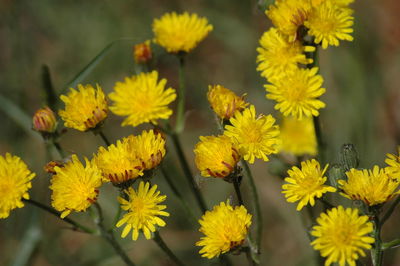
(363,99)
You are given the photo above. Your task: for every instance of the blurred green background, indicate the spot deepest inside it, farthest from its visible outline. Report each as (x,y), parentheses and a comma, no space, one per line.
(363,100)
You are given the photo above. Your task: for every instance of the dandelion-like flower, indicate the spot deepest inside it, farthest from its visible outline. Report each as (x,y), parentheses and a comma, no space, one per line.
(149,148)
(180,32)
(85,108)
(298,136)
(142,52)
(329,23)
(306,184)
(342,235)
(277,55)
(393,162)
(44,120)
(75,186)
(255,137)
(372,187)
(297,93)
(143,208)
(142,99)
(225,102)
(118,163)
(225,228)
(15,181)
(216,156)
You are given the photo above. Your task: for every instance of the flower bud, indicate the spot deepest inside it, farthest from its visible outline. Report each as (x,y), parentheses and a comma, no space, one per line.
(142,52)
(44,120)
(335,174)
(349,157)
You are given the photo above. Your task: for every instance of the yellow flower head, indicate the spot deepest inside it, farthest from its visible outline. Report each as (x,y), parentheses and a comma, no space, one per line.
(341,3)
(15,181)
(393,162)
(180,32)
(142,98)
(329,23)
(216,156)
(143,208)
(118,163)
(149,148)
(298,136)
(225,228)
(341,235)
(75,187)
(289,15)
(142,52)
(297,93)
(85,108)
(224,102)
(44,120)
(306,184)
(256,137)
(277,55)
(370,186)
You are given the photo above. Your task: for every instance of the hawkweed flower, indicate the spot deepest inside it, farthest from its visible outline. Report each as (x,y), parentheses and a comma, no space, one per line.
(225,228)
(297,93)
(180,32)
(224,102)
(306,184)
(298,136)
(143,211)
(341,3)
(393,162)
(373,187)
(255,136)
(149,148)
(277,55)
(118,163)
(142,52)
(216,156)
(342,235)
(329,23)
(75,186)
(142,98)
(44,120)
(85,108)
(15,181)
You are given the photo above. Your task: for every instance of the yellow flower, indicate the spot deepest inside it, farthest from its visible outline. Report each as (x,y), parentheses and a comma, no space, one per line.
(341,3)
(225,228)
(329,23)
(143,209)
(15,181)
(118,163)
(289,15)
(180,32)
(297,93)
(75,187)
(255,137)
(142,52)
(298,136)
(342,235)
(149,148)
(394,164)
(85,108)
(224,102)
(44,120)
(370,186)
(216,156)
(142,98)
(277,55)
(306,183)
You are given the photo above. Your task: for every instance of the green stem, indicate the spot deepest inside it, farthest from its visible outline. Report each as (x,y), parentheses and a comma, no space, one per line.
(59,148)
(178,195)
(236,185)
(76,225)
(250,260)
(180,113)
(104,138)
(256,204)
(110,238)
(224,260)
(389,212)
(160,242)
(376,252)
(391,244)
(188,172)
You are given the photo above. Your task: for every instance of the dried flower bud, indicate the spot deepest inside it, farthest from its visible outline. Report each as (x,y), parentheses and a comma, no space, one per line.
(44,120)
(142,52)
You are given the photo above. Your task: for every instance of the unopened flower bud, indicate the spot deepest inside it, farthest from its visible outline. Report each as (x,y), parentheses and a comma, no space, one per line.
(142,52)
(349,157)
(44,120)
(335,174)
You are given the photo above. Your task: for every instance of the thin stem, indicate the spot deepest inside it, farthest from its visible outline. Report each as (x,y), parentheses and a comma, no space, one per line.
(224,260)
(236,185)
(76,225)
(160,242)
(250,260)
(256,204)
(320,142)
(188,172)
(178,195)
(58,148)
(389,212)
(376,252)
(392,244)
(109,236)
(104,138)
(180,113)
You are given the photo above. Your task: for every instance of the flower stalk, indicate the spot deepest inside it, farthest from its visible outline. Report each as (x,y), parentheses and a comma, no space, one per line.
(180,113)
(160,242)
(376,251)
